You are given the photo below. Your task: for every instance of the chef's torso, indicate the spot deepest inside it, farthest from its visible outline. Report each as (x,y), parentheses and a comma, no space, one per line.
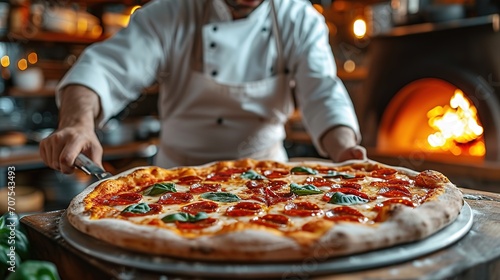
(221,113)
(235,104)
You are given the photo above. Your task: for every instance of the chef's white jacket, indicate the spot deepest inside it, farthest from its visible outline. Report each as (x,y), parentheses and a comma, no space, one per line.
(157,47)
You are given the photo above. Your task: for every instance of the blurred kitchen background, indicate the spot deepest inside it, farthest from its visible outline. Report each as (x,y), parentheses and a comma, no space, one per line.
(424,76)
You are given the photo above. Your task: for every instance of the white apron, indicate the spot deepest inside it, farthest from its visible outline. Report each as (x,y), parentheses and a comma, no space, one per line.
(204,126)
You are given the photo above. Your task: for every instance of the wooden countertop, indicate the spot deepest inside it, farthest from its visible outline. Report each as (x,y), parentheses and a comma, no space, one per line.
(475,256)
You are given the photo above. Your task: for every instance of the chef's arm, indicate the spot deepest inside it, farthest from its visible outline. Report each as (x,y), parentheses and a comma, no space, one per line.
(341,143)
(79,108)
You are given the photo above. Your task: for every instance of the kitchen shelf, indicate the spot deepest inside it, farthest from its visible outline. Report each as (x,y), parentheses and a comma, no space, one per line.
(492,21)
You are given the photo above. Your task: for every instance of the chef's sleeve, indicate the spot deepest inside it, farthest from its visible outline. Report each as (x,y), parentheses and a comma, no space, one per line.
(118,68)
(322,98)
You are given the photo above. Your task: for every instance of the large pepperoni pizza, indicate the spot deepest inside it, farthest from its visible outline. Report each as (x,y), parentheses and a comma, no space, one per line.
(249,210)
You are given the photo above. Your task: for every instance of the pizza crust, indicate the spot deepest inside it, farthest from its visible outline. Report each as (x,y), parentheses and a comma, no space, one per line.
(259,243)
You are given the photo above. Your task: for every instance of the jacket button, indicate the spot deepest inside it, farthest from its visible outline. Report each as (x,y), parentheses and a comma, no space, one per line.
(214,28)
(220,120)
(214,73)
(212,45)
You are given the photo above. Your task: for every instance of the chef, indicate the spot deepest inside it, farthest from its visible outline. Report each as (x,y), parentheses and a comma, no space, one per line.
(225,70)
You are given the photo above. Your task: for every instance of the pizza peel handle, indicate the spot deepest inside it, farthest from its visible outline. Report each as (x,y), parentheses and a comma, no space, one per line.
(90,167)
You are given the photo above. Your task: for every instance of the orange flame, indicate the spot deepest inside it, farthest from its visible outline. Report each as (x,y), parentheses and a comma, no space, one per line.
(457,127)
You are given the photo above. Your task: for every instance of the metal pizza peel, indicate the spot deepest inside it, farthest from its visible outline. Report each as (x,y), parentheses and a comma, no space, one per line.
(90,167)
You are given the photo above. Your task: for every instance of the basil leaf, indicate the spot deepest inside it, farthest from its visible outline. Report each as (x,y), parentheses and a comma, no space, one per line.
(9,228)
(33,269)
(220,196)
(336,174)
(303,169)
(346,199)
(185,217)
(252,175)
(304,190)
(139,208)
(160,188)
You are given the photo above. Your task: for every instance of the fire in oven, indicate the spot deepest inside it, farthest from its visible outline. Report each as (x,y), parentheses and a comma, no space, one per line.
(435,92)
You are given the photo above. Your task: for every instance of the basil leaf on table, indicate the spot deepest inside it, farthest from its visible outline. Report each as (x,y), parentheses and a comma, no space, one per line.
(252,175)
(33,269)
(12,235)
(303,169)
(139,208)
(220,196)
(346,199)
(185,217)
(304,190)
(336,174)
(160,188)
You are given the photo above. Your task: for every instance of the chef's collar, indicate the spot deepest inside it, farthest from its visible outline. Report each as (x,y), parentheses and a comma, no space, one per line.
(223,13)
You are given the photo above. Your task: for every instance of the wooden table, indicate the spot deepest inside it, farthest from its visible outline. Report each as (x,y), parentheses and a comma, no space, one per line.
(476,256)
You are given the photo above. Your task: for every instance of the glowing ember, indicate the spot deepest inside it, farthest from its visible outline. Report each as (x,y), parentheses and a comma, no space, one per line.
(457,127)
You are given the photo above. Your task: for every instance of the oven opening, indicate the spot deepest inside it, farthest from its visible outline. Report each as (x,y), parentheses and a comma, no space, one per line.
(433,117)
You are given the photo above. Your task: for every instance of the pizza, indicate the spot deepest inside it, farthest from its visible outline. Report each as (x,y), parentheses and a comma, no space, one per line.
(261,210)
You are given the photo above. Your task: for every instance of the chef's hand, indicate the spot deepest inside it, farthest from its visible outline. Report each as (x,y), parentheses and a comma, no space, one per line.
(76,132)
(341,144)
(60,149)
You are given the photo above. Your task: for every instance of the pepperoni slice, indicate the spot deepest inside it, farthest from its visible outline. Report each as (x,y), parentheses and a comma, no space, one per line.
(196,225)
(259,197)
(254,184)
(273,174)
(225,174)
(345,213)
(189,180)
(276,184)
(120,199)
(244,209)
(202,206)
(394,191)
(318,181)
(274,197)
(384,172)
(302,209)
(216,177)
(272,220)
(154,209)
(350,185)
(175,198)
(203,188)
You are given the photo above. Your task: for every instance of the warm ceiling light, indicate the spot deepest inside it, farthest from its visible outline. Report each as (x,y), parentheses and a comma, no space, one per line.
(22,64)
(359,28)
(5,61)
(32,58)
(349,66)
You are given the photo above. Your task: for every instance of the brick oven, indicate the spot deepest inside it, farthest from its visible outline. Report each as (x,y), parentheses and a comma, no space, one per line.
(427,82)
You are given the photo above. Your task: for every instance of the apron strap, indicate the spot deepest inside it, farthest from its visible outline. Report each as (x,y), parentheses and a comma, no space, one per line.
(279,46)
(197,62)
